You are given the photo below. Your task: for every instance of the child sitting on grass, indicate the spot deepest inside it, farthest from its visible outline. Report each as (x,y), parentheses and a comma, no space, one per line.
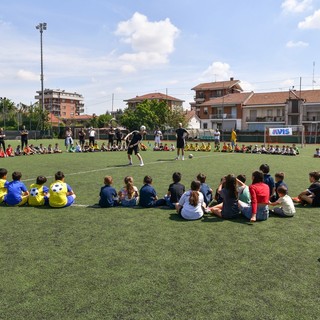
(3,180)
(39,193)
(17,193)
(205,188)
(312,194)
(287,208)
(278,177)
(228,191)
(191,205)
(108,194)
(60,193)
(129,194)
(175,191)
(148,195)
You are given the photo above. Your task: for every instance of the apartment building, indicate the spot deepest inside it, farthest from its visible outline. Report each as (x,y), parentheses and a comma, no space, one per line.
(224,105)
(62,104)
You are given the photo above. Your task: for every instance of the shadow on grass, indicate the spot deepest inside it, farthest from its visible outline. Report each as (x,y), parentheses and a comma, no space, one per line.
(240,219)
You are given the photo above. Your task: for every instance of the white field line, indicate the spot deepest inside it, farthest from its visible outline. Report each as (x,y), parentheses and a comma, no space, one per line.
(150,163)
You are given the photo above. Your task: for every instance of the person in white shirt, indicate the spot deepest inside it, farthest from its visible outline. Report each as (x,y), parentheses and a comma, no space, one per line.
(157,137)
(216,136)
(92,135)
(287,208)
(191,204)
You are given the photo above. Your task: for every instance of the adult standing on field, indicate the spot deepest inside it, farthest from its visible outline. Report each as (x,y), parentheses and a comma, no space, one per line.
(157,137)
(111,135)
(82,137)
(135,138)
(233,138)
(2,136)
(216,136)
(24,137)
(181,135)
(68,141)
(118,136)
(92,136)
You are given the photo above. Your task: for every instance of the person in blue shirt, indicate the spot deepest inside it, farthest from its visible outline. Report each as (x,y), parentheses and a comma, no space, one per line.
(17,192)
(278,177)
(204,188)
(108,194)
(148,195)
(267,178)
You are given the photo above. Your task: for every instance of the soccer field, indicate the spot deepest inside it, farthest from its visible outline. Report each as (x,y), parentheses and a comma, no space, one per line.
(119,263)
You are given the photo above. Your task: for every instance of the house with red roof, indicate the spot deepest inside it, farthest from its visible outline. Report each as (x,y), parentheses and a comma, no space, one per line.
(224,105)
(172,102)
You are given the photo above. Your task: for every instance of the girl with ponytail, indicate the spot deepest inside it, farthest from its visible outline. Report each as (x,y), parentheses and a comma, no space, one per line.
(191,205)
(129,194)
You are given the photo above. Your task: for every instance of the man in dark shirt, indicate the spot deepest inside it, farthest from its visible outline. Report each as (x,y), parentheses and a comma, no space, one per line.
(181,134)
(135,138)
(24,137)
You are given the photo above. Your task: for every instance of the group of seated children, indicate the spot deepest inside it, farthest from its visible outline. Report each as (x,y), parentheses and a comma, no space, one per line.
(15,193)
(198,147)
(29,150)
(269,149)
(96,148)
(164,147)
(232,197)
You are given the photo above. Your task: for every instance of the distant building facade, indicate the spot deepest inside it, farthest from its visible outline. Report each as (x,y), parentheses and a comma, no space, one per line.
(172,102)
(62,104)
(225,106)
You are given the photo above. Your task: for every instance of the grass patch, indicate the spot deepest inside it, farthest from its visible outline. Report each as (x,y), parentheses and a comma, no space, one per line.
(120,263)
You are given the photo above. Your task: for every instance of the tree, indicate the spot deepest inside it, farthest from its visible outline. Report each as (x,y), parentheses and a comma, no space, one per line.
(151,113)
(8,113)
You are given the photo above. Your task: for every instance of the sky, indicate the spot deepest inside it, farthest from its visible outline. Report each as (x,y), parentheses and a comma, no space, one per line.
(113,50)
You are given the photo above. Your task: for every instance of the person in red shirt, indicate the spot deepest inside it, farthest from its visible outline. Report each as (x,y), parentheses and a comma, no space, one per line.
(9,151)
(258,210)
(2,153)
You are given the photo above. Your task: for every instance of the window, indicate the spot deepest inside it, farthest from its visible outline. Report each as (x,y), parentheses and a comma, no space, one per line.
(63,113)
(269,112)
(205,126)
(205,110)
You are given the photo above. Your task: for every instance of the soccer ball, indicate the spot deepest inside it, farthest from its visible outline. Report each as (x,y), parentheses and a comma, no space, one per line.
(142,128)
(190,156)
(34,192)
(57,187)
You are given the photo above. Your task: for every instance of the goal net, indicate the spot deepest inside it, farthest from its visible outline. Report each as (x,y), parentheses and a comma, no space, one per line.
(284,135)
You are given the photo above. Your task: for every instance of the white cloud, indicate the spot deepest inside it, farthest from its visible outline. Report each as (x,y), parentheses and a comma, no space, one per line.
(28,75)
(311,22)
(296,6)
(292,44)
(247,86)
(289,83)
(151,42)
(128,68)
(216,72)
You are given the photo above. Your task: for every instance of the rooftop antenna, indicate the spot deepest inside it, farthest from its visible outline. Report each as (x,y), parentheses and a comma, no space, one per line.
(313,81)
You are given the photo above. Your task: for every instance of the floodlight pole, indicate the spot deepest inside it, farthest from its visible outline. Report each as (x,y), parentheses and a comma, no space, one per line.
(41,26)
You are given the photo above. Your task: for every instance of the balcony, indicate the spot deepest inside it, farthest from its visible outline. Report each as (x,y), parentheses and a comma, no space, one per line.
(79,110)
(311,118)
(199,99)
(265,119)
(220,116)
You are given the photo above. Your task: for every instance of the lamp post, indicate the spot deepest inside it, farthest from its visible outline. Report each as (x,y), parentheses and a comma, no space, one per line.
(41,26)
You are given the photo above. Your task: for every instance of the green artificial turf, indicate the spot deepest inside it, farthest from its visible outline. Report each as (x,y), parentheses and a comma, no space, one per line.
(90,263)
